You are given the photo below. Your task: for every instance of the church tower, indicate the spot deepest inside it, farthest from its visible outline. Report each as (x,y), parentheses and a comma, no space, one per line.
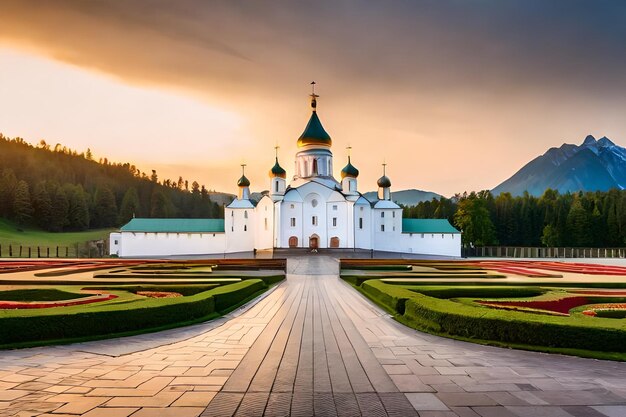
(384,186)
(278,180)
(314,158)
(349,175)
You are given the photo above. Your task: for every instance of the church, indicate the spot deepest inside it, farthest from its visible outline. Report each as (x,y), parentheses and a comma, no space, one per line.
(313,211)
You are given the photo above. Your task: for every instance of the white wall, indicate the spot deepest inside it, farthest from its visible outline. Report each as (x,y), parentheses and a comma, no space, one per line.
(239,225)
(115,240)
(138,244)
(387,240)
(264,224)
(363,237)
(446,244)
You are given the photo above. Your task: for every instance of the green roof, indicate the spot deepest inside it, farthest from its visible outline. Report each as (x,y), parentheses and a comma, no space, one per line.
(277,170)
(314,133)
(427,226)
(174,225)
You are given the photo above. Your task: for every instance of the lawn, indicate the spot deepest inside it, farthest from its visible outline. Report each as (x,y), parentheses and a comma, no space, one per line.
(10,233)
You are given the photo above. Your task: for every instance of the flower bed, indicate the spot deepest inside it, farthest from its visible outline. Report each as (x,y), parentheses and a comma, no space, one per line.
(560,306)
(159,294)
(614,310)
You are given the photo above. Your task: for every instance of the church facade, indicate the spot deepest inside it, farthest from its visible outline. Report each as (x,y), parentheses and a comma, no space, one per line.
(314,211)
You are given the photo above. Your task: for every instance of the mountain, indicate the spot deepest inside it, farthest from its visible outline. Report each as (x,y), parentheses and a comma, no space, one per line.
(406,197)
(594,165)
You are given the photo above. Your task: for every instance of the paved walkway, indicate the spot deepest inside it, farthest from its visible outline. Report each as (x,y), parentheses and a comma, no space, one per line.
(312,346)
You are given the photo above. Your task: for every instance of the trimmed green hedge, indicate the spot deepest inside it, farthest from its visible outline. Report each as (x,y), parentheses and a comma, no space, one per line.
(450,318)
(477,291)
(185,290)
(39,294)
(92,320)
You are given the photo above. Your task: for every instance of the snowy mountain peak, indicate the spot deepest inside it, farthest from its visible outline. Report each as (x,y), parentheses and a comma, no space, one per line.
(594,165)
(589,140)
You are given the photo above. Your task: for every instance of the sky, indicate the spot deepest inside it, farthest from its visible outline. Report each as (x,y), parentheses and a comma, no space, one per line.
(453,95)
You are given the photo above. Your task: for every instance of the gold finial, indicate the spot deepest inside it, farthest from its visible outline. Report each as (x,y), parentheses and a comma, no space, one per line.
(276,151)
(349,149)
(313,96)
(384,167)
(243,169)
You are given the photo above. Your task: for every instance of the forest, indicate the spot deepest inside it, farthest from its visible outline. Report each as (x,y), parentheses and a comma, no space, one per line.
(583,219)
(58,189)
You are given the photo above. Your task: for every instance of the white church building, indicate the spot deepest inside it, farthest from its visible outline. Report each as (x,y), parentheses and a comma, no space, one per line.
(313,211)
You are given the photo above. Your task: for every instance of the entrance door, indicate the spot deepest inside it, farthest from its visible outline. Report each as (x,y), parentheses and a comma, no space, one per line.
(314,242)
(293,242)
(334,242)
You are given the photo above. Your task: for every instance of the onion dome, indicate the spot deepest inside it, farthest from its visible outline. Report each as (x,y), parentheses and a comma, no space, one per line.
(384,182)
(349,170)
(278,171)
(243,182)
(314,133)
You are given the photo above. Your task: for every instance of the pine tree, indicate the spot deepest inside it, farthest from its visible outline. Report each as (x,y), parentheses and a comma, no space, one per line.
(22,207)
(129,207)
(42,203)
(105,208)
(60,209)
(158,205)
(78,213)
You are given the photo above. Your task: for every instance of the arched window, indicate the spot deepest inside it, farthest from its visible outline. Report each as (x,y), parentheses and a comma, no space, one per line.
(315,167)
(245,214)
(245,228)
(276,186)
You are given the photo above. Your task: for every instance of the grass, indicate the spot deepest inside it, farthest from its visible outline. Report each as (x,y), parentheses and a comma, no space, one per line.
(11,233)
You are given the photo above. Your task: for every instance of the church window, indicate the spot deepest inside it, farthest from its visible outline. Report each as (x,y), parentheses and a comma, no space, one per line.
(276,186)
(335,207)
(360,222)
(115,242)
(232,214)
(315,167)
(245,214)
(361,208)
(334,222)
(382,214)
(314,203)
(382,227)
(293,222)
(393,214)
(422,235)
(266,223)
(245,228)
(293,206)
(232,228)
(394,228)
(314,220)
(442,235)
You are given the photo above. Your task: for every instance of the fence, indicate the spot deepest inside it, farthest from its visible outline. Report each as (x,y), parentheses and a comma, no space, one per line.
(89,249)
(540,252)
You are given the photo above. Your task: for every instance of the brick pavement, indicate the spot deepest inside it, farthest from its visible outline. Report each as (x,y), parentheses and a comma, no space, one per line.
(312,346)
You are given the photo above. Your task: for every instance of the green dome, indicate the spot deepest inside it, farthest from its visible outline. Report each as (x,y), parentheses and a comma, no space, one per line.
(314,133)
(349,170)
(384,182)
(278,171)
(243,182)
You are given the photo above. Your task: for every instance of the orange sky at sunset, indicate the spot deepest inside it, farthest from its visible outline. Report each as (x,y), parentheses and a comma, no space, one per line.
(453,97)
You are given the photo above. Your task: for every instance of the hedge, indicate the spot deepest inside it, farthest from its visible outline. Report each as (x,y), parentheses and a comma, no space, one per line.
(21,326)
(450,318)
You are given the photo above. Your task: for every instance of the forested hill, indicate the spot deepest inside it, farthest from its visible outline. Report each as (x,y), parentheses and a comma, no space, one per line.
(59,189)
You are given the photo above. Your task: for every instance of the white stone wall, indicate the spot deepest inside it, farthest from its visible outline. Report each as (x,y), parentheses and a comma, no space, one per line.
(264,224)
(140,244)
(239,225)
(363,236)
(387,239)
(445,244)
(115,240)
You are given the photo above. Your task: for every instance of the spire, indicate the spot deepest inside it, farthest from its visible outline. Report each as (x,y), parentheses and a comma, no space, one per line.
(314,133)
(243,181)
(313,96)
(277,170)
(349,170)
(384,181)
